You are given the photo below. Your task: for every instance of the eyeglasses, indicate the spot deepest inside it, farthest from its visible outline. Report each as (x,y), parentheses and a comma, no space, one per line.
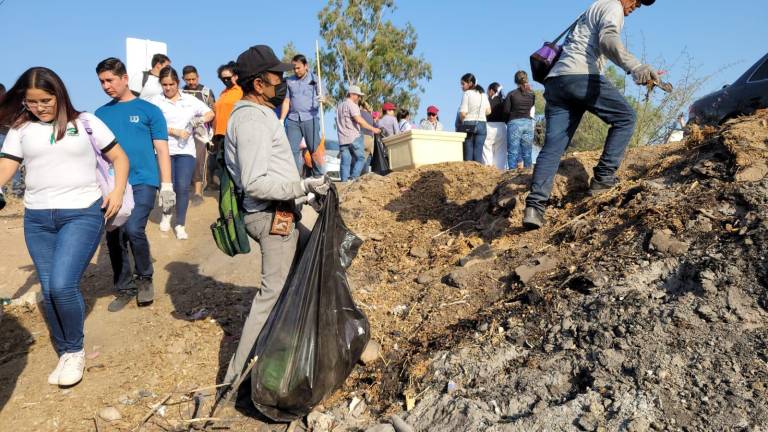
(46,103)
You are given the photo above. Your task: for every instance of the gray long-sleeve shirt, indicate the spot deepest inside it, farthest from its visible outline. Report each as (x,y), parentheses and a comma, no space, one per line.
(597,36)
(259,157)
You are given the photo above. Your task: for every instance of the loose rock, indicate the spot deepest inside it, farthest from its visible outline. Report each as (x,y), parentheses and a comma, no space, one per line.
(110,414)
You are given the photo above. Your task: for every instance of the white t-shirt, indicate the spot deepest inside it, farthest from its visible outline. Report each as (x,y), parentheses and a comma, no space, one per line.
(151,88)
(62,174)
(474,104)
(178,114)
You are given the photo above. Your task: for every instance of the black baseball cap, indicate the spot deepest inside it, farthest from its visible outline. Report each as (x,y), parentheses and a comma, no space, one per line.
(258,59)
(647,2)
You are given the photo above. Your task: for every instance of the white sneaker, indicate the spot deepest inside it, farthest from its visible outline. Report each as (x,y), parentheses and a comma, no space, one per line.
(181,232)
(72,370)
(165,223)
(53,378)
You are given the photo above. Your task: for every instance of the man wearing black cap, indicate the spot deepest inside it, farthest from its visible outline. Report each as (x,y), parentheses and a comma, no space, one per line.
(576,85)
(259,157)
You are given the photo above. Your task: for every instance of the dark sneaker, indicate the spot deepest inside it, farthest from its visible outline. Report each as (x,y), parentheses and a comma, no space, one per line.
(145,292)
(196,200)
(598,188)
(122,299)
(533,218)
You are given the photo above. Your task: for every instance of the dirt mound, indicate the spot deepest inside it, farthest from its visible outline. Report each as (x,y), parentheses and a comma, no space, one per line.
(641,309)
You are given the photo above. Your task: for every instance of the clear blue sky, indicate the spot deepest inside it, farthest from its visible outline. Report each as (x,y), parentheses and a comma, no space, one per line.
(490,38)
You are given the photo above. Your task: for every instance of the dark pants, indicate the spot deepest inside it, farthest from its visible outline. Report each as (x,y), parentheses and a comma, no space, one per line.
(133,233)
(61,243)
(201,159)
(473,144)
(182,169)
(568,98)
(310,131)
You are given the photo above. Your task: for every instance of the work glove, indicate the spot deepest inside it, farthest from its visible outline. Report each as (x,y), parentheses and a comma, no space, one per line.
(167,197)
(322,100)
(644,74)
(312,201)
(316,185)
(197,121)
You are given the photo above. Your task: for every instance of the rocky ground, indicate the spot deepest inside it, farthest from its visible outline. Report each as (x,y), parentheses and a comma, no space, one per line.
(642,309)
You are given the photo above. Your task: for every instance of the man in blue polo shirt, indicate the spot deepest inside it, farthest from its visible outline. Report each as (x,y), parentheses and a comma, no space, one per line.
(141,129)
(300,112)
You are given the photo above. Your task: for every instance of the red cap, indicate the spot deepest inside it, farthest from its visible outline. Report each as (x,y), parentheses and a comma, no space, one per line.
(432,110)
(388,106)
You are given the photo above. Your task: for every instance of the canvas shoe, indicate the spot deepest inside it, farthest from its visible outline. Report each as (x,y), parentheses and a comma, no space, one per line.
(53,378)
(181,232)
(165,223)
(72,370)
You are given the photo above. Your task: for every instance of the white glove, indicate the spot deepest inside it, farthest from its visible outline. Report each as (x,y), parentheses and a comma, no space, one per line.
(316,185)
(197,121)
(167,198)
(644,74)
(312,201)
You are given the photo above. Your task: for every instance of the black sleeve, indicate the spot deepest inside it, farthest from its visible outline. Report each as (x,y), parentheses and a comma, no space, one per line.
(11,157)
(109,147)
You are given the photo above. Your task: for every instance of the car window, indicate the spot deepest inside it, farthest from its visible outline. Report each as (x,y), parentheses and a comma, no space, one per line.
(761,73)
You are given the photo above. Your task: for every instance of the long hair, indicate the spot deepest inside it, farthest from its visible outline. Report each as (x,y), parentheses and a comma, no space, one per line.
(521,79)
(496,87)
(12,111)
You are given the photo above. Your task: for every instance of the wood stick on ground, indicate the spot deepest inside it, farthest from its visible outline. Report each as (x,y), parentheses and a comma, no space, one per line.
(203,419)
(234,387)
(96,423)
(154,410)
(452,228)
(202,388)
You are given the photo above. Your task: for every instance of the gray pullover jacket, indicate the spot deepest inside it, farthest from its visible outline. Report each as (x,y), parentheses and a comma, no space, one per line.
(259,157)
(597,36)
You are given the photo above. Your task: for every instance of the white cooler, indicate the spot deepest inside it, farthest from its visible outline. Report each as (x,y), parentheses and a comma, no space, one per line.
(416,148)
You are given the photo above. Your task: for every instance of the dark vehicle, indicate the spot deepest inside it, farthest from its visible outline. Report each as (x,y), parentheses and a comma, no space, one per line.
(743,97)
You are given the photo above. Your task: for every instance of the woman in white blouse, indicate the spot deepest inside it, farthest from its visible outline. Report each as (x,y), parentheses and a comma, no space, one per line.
(65,208)
(472,113)
(183,113)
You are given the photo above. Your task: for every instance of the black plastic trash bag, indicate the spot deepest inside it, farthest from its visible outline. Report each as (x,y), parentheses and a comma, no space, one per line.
(380,160)
(315,333)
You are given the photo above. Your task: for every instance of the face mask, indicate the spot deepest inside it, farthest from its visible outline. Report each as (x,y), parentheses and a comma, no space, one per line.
(281,91)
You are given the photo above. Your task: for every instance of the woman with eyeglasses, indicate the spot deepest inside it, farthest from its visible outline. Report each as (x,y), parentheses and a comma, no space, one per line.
(432,122)
(183,113)
(65,209)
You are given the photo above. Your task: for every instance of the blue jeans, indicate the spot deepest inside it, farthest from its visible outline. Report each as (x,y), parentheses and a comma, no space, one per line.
(519,142)
(352,159)
(568,98)
(310,131)
(182,170)
(133,233)
(473,144)
(61,243)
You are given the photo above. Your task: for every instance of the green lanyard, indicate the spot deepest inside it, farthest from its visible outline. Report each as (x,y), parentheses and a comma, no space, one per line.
(53,134)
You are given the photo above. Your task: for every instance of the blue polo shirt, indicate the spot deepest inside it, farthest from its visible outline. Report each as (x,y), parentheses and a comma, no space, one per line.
(135,124)
(302,93)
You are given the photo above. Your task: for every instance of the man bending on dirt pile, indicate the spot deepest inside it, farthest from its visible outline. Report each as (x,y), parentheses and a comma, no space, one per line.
(575,85)
(259,157)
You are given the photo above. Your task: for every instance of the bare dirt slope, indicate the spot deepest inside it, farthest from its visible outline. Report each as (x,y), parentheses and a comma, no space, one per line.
(643,309)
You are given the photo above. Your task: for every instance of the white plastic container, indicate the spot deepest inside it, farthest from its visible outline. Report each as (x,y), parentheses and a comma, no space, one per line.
(416,148)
